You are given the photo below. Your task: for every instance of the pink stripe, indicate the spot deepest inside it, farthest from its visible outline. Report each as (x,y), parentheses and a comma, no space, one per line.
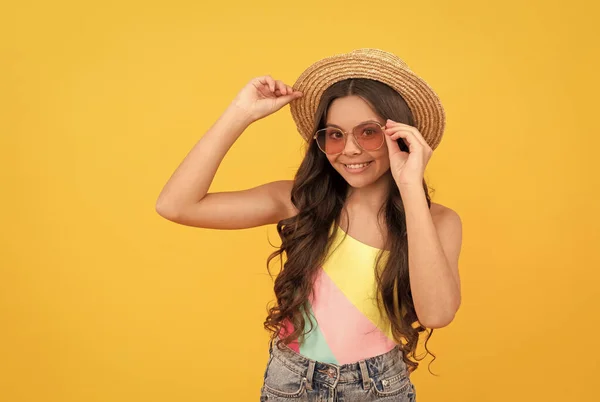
(350,335)
(288,328)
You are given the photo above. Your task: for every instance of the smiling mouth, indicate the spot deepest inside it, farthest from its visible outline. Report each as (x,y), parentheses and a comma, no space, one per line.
(357,165)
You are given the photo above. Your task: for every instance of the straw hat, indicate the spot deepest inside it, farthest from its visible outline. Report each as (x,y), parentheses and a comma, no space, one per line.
(377,65)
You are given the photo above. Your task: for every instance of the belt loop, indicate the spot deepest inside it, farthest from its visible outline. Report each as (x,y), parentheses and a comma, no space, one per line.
(309,374)
(366,380)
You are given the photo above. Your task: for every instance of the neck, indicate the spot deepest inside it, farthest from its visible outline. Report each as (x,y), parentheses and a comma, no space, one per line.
(370,197)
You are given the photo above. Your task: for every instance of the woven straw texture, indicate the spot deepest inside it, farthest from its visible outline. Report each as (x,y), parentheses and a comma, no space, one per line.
(377,65)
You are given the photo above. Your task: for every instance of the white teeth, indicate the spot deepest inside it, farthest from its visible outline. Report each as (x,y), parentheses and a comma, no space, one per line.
(357,166)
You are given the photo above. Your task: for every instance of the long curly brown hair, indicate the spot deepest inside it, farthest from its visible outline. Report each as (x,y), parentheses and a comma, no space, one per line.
(319,193)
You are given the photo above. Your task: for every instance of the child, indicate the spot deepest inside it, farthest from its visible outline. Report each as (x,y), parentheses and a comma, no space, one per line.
(351,299)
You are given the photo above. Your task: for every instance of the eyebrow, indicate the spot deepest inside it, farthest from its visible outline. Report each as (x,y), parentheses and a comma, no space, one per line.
(363,122)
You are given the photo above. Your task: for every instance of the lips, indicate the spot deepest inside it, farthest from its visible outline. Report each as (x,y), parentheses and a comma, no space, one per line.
(357,167)
(357,164)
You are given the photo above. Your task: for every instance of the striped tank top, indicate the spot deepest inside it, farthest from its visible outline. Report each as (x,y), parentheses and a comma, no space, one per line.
(347,324)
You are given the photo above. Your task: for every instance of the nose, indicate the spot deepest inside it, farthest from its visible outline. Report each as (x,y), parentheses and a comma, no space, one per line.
(351,147)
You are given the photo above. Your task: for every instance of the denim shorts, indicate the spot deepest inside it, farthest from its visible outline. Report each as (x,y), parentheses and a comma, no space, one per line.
(290,376)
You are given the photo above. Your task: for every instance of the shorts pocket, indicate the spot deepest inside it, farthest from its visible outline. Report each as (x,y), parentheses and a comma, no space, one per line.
(392,386)
(283,381)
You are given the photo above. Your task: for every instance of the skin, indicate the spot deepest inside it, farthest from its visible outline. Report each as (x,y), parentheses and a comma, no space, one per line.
(434,234)
(346,113)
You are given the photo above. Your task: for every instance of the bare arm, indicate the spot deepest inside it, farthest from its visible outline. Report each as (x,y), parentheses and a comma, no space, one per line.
(185,198)
(434,246)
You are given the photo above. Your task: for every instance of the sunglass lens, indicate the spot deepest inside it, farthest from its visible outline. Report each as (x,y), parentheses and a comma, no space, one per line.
(330,140)
(370,136)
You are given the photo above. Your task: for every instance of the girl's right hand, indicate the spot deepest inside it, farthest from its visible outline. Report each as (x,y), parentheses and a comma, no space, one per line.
(263,96)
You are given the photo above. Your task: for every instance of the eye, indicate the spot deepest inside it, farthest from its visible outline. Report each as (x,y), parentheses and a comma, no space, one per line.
(370,130)
(335,134)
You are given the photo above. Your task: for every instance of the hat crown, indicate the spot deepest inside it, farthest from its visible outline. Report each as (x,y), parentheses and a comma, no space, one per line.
(377,65)
(378,54)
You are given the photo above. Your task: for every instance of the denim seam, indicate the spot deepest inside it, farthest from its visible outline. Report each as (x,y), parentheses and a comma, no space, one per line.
(392,392)
(289,366)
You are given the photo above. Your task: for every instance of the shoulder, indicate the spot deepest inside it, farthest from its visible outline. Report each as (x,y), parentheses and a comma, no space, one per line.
(282,191)
(448,225)
(445,216)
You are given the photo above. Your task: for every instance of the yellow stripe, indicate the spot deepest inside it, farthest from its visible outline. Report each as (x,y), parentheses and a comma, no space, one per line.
(351,266)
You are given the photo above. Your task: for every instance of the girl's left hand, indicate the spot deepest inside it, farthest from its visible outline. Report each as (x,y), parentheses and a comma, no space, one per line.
(408,168)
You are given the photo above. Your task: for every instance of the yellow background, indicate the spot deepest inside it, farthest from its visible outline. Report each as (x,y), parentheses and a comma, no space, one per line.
(103,300)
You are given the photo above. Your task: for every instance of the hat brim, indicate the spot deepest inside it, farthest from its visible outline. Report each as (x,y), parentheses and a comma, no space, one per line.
(377,65)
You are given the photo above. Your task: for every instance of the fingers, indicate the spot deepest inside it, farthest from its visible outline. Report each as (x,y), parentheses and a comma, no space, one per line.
(285,99)
(408,138)
(413,130)
(280,88)
(277,87)
(271,82)
(265,81)
(395,133)
(411,136)
(283,89)
(393,146)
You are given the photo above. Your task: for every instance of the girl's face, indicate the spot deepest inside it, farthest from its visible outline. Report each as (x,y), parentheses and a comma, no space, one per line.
(347,113)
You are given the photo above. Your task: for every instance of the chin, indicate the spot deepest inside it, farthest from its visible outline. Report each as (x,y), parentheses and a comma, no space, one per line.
(358,181)
(358,185)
